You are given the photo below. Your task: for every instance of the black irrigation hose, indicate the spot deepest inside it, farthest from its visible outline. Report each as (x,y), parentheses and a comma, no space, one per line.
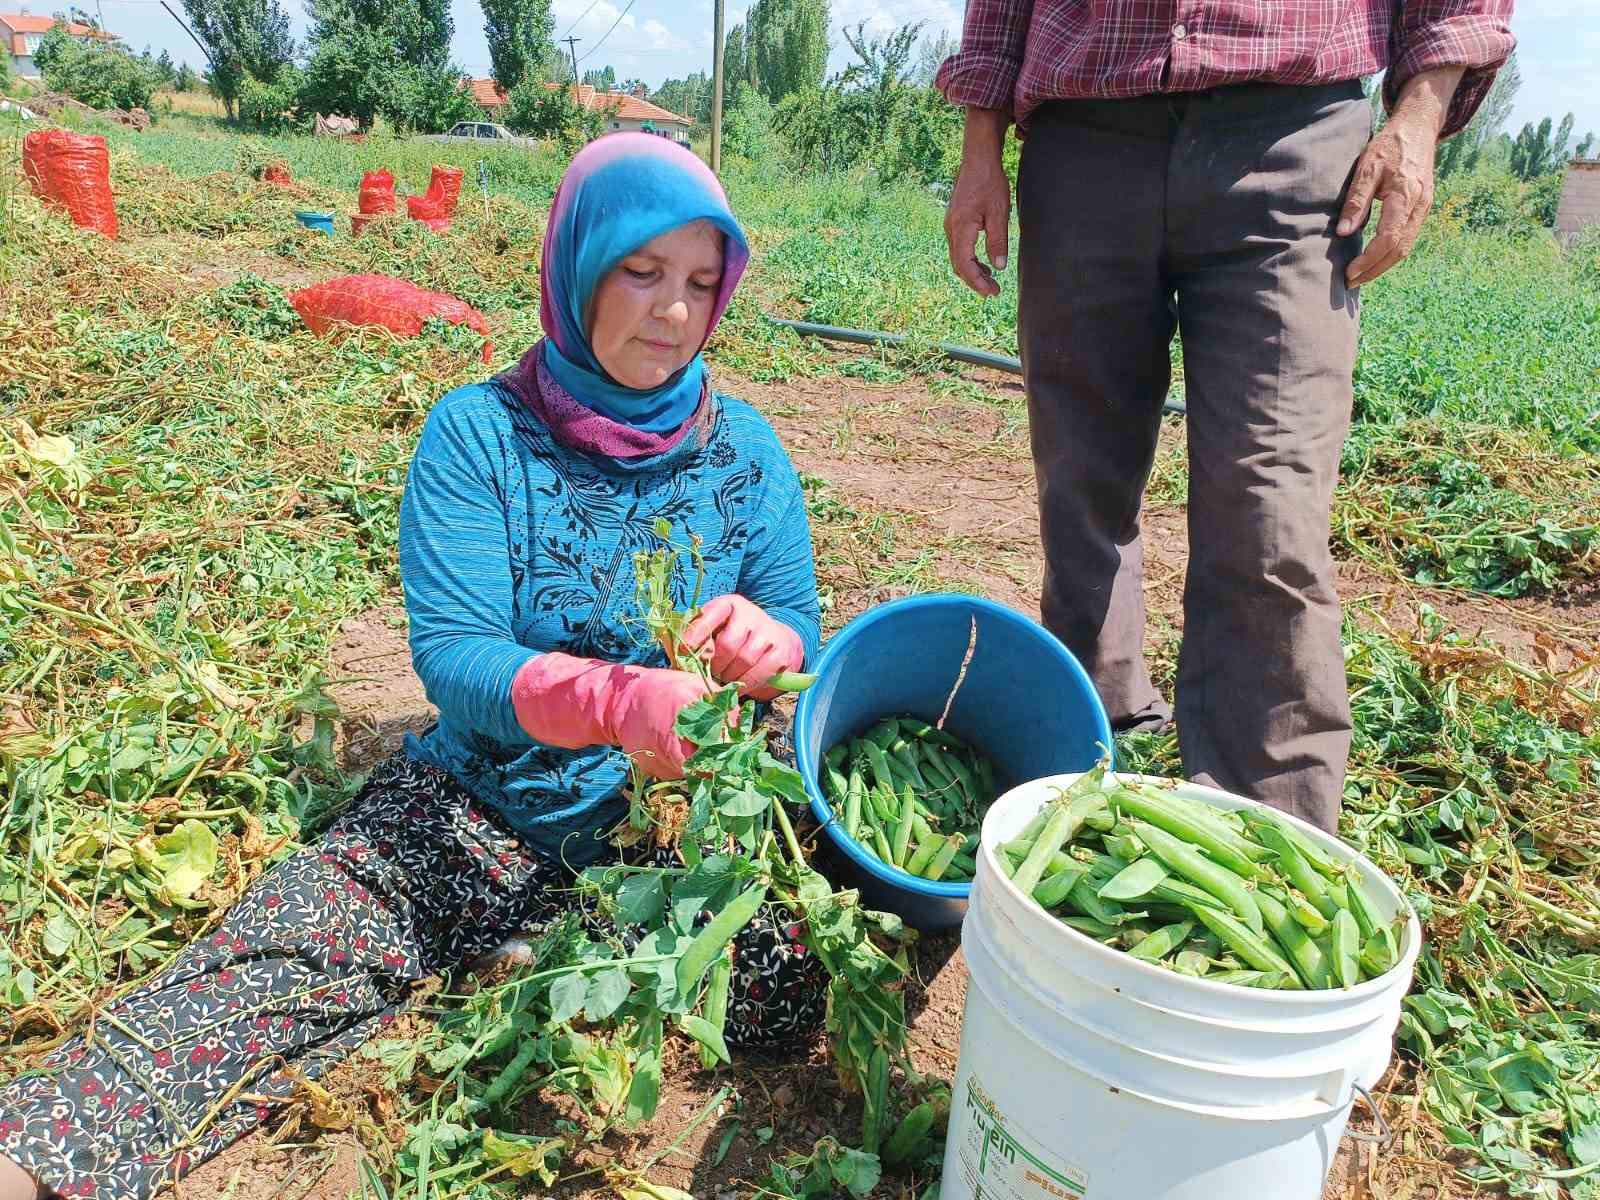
(965,354)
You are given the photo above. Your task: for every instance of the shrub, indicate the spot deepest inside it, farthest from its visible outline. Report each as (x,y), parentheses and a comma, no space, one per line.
(429,99)
(270,107)
(99,75)
(537,111)
(1490,202)
(749,132)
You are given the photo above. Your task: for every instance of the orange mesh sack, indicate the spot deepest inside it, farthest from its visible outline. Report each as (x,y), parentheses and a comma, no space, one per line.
(72,171)
(278,173)
(395,304)
(439,202)
(377,193)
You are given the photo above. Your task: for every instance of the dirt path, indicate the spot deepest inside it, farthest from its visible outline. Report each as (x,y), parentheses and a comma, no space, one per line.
(915,487)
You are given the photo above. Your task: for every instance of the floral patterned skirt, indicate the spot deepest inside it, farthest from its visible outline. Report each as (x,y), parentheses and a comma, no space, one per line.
(322,952)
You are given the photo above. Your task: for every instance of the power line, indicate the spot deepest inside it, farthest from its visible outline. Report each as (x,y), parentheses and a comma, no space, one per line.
(581,16)
(610,31)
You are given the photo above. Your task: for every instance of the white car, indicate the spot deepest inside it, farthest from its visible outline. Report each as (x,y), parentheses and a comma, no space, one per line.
(481,131)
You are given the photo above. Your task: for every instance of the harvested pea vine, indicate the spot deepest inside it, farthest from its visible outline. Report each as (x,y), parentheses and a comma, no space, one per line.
(588,1018)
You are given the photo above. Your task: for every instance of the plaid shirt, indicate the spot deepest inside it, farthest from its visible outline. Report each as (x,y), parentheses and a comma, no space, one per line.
(1018,54)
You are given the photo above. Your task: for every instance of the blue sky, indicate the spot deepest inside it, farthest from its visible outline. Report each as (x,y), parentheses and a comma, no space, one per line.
(656,39)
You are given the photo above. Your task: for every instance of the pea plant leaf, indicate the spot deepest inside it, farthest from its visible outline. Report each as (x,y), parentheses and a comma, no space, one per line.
(607,990)
(185,858)
(567,994)
(640,898)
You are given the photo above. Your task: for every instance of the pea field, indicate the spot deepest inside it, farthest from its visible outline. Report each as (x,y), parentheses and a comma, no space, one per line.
(202,649)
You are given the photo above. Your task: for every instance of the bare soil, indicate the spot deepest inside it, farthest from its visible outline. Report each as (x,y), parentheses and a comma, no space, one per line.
(956,476)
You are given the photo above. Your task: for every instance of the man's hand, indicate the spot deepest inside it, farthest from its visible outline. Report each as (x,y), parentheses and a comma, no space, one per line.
(1396,168)
(980,202)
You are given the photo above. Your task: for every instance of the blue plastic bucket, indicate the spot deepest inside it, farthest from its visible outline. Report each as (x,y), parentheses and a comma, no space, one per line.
(1026,702)
(322,222)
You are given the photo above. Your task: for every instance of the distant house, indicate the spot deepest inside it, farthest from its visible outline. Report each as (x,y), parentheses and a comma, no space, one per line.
(21,33)
(1580,199)
(623,110)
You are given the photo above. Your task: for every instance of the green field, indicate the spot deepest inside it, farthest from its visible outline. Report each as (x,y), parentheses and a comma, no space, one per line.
(195,492)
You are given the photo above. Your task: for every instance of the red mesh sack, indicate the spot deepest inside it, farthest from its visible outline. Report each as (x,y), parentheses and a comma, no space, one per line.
(277,173)
(72,171)
(377,193)
(396,304)
(444,189)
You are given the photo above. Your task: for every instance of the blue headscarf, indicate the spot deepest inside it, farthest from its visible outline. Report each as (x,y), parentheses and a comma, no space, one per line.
(619,192)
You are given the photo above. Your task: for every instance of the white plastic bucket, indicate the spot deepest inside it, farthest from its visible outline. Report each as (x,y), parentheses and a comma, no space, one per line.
(1087,1073)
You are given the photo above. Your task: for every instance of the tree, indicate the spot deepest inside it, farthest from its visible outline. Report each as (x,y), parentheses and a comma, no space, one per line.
(734,66)
(429,99)
(1537,151)
(241,37)
(165,68)
(186,80)
(539,111)
(382,56)
(689,97)
(603,80)
(931,55)
(1462,153)
(786,46)
(100,75)
(519,33)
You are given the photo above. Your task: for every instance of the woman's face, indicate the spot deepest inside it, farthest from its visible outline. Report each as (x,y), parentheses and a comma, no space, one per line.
(650,314)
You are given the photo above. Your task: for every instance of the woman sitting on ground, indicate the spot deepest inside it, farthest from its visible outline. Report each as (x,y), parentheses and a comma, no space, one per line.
(526,499)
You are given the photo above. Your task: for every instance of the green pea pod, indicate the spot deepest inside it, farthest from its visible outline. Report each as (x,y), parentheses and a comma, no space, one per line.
(791,681)
(718,932)
(1346,948)
(1053,889)
(1272,980)
(1135,881)
(878,765)
(1083,897)
(925,851)
(880,844)
(1309,962)
(1191,962)
(1379,953)
(1309,850)
(967,864)
(1090,927)
(855,793)
(1226,847)
(1244,941)
(912,1131)
(875,1101)
(1367,919)
(716,1018)
(1183,859)
(1162,942)
(1296,869)
(884,733)
(1069,811)
(943,857)
(901,841)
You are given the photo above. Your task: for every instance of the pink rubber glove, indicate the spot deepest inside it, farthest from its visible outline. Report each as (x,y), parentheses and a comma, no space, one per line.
(562,700)
(747,646)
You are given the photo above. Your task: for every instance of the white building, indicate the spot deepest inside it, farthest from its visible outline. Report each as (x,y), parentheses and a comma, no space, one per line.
(21,33)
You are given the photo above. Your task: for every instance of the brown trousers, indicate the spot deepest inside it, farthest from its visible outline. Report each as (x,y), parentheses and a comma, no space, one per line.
(1213,214)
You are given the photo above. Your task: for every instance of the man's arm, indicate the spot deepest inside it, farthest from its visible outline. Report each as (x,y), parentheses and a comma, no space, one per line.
(1446,53)
(1396,168)
(1471,34)
(982,78)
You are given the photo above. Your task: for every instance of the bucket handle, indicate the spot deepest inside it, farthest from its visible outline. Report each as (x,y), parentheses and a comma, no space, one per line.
(1384,1137)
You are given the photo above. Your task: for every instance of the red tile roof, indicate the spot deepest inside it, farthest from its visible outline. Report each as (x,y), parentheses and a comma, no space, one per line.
(20,23)
(628,108)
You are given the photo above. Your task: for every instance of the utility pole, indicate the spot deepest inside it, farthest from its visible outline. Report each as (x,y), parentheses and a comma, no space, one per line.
(572,46)
(716,88)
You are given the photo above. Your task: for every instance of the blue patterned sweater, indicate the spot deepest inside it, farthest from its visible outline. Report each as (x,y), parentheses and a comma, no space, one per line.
(511,545)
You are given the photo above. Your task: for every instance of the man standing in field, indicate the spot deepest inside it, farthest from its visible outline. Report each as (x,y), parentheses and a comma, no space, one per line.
(1205,167)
